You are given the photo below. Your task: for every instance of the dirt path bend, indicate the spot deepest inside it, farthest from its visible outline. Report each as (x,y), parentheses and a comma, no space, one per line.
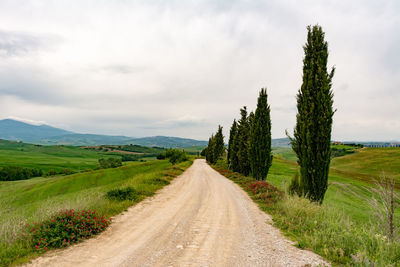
(200,219)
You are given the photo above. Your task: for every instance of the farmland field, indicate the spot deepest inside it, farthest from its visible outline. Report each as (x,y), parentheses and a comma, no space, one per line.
(73,158)
(48,157)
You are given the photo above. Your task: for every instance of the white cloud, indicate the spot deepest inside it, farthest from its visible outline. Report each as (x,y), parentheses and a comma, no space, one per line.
(183,67)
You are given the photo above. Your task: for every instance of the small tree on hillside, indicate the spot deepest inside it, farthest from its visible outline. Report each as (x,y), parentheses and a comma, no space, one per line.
(232,134)
(312,134)
(243,142)
(260,145)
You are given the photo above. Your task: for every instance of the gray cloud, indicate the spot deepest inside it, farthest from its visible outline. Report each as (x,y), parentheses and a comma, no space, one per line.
(183,67)
(14,43)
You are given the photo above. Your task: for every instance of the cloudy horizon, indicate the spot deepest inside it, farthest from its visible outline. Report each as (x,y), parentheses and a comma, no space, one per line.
(180,68)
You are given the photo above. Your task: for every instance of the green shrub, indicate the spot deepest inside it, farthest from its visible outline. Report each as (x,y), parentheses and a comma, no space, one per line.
(13,173)
(161,155)
(51,172)
(130,157)
(65,228)
(110,163)
(339,152)
(174,155)
(295,187)
(66,171)
(121,194)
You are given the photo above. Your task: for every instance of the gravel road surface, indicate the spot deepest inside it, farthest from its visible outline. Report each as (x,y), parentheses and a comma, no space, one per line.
(200,219)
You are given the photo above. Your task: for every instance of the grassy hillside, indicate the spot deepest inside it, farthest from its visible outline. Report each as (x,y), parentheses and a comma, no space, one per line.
(136,149)
(75,139)
(48,157)
(350,176)
(346,206)
(74,158)
(370,163)
(36,199)
(194,149)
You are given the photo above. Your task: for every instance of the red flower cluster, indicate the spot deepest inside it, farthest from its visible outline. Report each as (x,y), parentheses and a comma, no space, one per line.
(265,192)
(66,227)
(260,190)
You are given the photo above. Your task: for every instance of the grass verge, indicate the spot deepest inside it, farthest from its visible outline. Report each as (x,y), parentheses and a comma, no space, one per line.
(328,230)
(37,199)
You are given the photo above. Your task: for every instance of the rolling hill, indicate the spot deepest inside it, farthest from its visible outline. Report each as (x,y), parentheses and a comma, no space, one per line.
(48,135)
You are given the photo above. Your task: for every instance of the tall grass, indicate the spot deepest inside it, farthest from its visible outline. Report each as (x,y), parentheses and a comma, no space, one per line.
(333,235)
(326,229)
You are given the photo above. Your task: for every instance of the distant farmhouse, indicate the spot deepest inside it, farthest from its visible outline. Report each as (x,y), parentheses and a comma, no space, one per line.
(367,144)
(382,144)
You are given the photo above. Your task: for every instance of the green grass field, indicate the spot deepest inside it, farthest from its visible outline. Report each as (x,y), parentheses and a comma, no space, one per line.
(369,164)
(36,199)
(48,157)
(194,149)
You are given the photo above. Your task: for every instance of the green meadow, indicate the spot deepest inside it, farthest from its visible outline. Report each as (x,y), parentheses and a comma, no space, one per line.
(48,157)
(34,200)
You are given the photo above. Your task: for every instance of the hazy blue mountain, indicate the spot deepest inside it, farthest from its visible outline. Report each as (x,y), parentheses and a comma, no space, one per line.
(47,135)
(17,130)
(280,142)
(167,141)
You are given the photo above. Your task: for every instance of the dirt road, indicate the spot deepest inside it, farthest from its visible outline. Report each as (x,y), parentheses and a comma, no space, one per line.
(200,219)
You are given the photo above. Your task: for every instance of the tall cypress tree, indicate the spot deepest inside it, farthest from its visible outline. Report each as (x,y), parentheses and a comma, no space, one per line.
(219,148)
(234,161)
(251,120)
(243,142)
(260,145)
(312,134)
(232,134)
(210,149)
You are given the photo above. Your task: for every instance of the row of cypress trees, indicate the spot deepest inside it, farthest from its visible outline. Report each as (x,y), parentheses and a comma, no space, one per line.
(249,147)
(216,147)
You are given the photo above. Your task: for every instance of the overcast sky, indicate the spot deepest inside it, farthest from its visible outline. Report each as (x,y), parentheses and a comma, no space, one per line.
(180,68)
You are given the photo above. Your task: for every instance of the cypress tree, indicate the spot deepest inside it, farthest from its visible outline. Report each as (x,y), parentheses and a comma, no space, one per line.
(219,148)
(232,134)
(251,120)
(210,149)
(312,133)
(260,145)
(243,142)
(234,161)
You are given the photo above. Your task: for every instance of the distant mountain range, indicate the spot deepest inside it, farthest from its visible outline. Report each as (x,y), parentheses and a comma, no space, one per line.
(48,135)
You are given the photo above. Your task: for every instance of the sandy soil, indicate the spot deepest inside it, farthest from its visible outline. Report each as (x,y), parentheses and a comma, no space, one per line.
(200,219)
